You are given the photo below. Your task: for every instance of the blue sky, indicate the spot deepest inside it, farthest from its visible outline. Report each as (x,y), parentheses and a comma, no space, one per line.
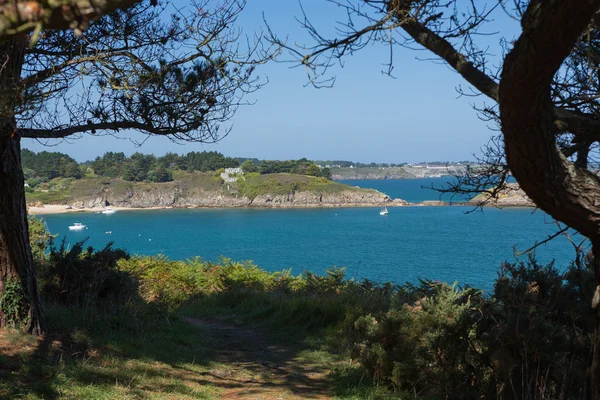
(367,116)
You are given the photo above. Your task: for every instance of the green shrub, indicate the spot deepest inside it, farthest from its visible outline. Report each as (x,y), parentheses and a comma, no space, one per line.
(537,330)
(87,277)
(13,306)
(425,346)
(529,340)
(39,239)
(162,280)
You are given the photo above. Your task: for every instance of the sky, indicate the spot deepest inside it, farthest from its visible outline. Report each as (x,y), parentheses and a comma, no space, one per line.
(367,116)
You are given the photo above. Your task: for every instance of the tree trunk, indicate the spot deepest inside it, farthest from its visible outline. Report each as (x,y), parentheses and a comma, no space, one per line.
(16,260)
(594,371)
(569,194)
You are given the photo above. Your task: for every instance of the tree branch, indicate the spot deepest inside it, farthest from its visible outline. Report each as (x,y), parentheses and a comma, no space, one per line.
(116,125)
(567,193)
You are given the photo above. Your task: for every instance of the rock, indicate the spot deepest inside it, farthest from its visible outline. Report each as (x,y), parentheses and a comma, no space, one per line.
(401,202)
(510,196)
(432,203)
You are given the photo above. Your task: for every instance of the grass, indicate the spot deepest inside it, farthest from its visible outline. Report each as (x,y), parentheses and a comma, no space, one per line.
(99,357)
(77,362)
(255,184)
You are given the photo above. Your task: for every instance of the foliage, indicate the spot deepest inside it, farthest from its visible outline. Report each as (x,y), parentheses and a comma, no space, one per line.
(254,184)
(85,277)
(529,340)
(301,166)
(13,309)
(249,166)
(538,329)
(209,161)
(49,165)
(39,238)
(146,167)
(162,280)
(425,346)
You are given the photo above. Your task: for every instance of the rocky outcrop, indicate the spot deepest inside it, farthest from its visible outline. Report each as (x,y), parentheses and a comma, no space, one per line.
(509,196)
(173,195)
(432,203)
(312,199)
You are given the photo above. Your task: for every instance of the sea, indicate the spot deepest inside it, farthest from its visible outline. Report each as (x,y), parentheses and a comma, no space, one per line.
(454,244)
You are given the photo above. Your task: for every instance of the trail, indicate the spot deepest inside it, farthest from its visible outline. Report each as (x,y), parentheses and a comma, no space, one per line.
(257,368)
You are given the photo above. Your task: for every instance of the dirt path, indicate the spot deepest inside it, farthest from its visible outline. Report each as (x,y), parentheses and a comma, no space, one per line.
(258,369)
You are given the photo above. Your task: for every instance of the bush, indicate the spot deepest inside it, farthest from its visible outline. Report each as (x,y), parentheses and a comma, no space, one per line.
(530,340)
(87,277)
(39,239)
(425,347)
(538,329)
(164,281)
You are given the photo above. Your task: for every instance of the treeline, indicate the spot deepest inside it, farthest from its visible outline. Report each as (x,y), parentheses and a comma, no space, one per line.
(138,167)
(46,165)
(147,167)
(302,167)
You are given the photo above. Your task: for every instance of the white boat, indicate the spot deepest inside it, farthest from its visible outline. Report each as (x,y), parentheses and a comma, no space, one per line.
(109,210)
(384,211)
(77,226)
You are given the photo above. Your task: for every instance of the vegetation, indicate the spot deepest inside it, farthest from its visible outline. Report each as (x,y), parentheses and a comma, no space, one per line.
(190,184)
(255,184)
(118,329)
(302,166)
(45,166)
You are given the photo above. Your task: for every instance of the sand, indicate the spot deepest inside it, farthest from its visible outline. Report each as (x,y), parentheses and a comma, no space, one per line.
(62,209)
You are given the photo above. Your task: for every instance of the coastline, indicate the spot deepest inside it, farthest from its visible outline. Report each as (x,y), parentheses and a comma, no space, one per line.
(50,209)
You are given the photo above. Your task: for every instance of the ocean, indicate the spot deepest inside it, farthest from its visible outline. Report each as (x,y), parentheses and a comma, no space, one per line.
(449,244)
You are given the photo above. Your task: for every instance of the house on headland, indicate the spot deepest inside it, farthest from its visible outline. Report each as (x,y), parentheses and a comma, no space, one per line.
(232,171)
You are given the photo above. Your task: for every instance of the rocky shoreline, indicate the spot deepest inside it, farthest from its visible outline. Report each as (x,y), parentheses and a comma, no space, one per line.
(174,197)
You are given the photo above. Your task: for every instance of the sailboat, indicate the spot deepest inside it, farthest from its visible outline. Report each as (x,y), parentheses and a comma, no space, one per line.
(384,211)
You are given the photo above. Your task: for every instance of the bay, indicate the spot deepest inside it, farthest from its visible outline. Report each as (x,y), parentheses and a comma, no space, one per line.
(411,190)
(440,243)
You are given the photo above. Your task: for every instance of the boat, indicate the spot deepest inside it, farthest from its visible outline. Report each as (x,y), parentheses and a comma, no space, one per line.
(77,226)
(384,211)
(109,210)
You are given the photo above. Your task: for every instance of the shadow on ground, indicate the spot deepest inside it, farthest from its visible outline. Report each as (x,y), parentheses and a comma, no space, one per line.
(195,358)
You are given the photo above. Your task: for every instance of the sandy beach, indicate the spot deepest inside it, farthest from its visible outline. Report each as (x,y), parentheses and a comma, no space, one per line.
(62,209)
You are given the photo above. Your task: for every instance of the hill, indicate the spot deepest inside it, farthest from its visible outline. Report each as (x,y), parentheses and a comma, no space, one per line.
(206,189)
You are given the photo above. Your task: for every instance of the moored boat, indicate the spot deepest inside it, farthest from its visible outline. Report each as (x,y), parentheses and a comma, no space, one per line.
(77,226)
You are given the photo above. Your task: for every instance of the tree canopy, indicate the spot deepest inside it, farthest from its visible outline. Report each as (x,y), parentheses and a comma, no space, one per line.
(45,166)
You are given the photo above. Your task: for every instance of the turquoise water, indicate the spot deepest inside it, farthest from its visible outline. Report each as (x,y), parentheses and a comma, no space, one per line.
(411,190)
(441,243)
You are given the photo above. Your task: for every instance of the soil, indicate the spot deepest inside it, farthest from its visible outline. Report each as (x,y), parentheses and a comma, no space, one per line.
(259,369)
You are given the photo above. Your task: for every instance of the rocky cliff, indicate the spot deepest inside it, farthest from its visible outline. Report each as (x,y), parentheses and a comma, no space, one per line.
(179,195)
